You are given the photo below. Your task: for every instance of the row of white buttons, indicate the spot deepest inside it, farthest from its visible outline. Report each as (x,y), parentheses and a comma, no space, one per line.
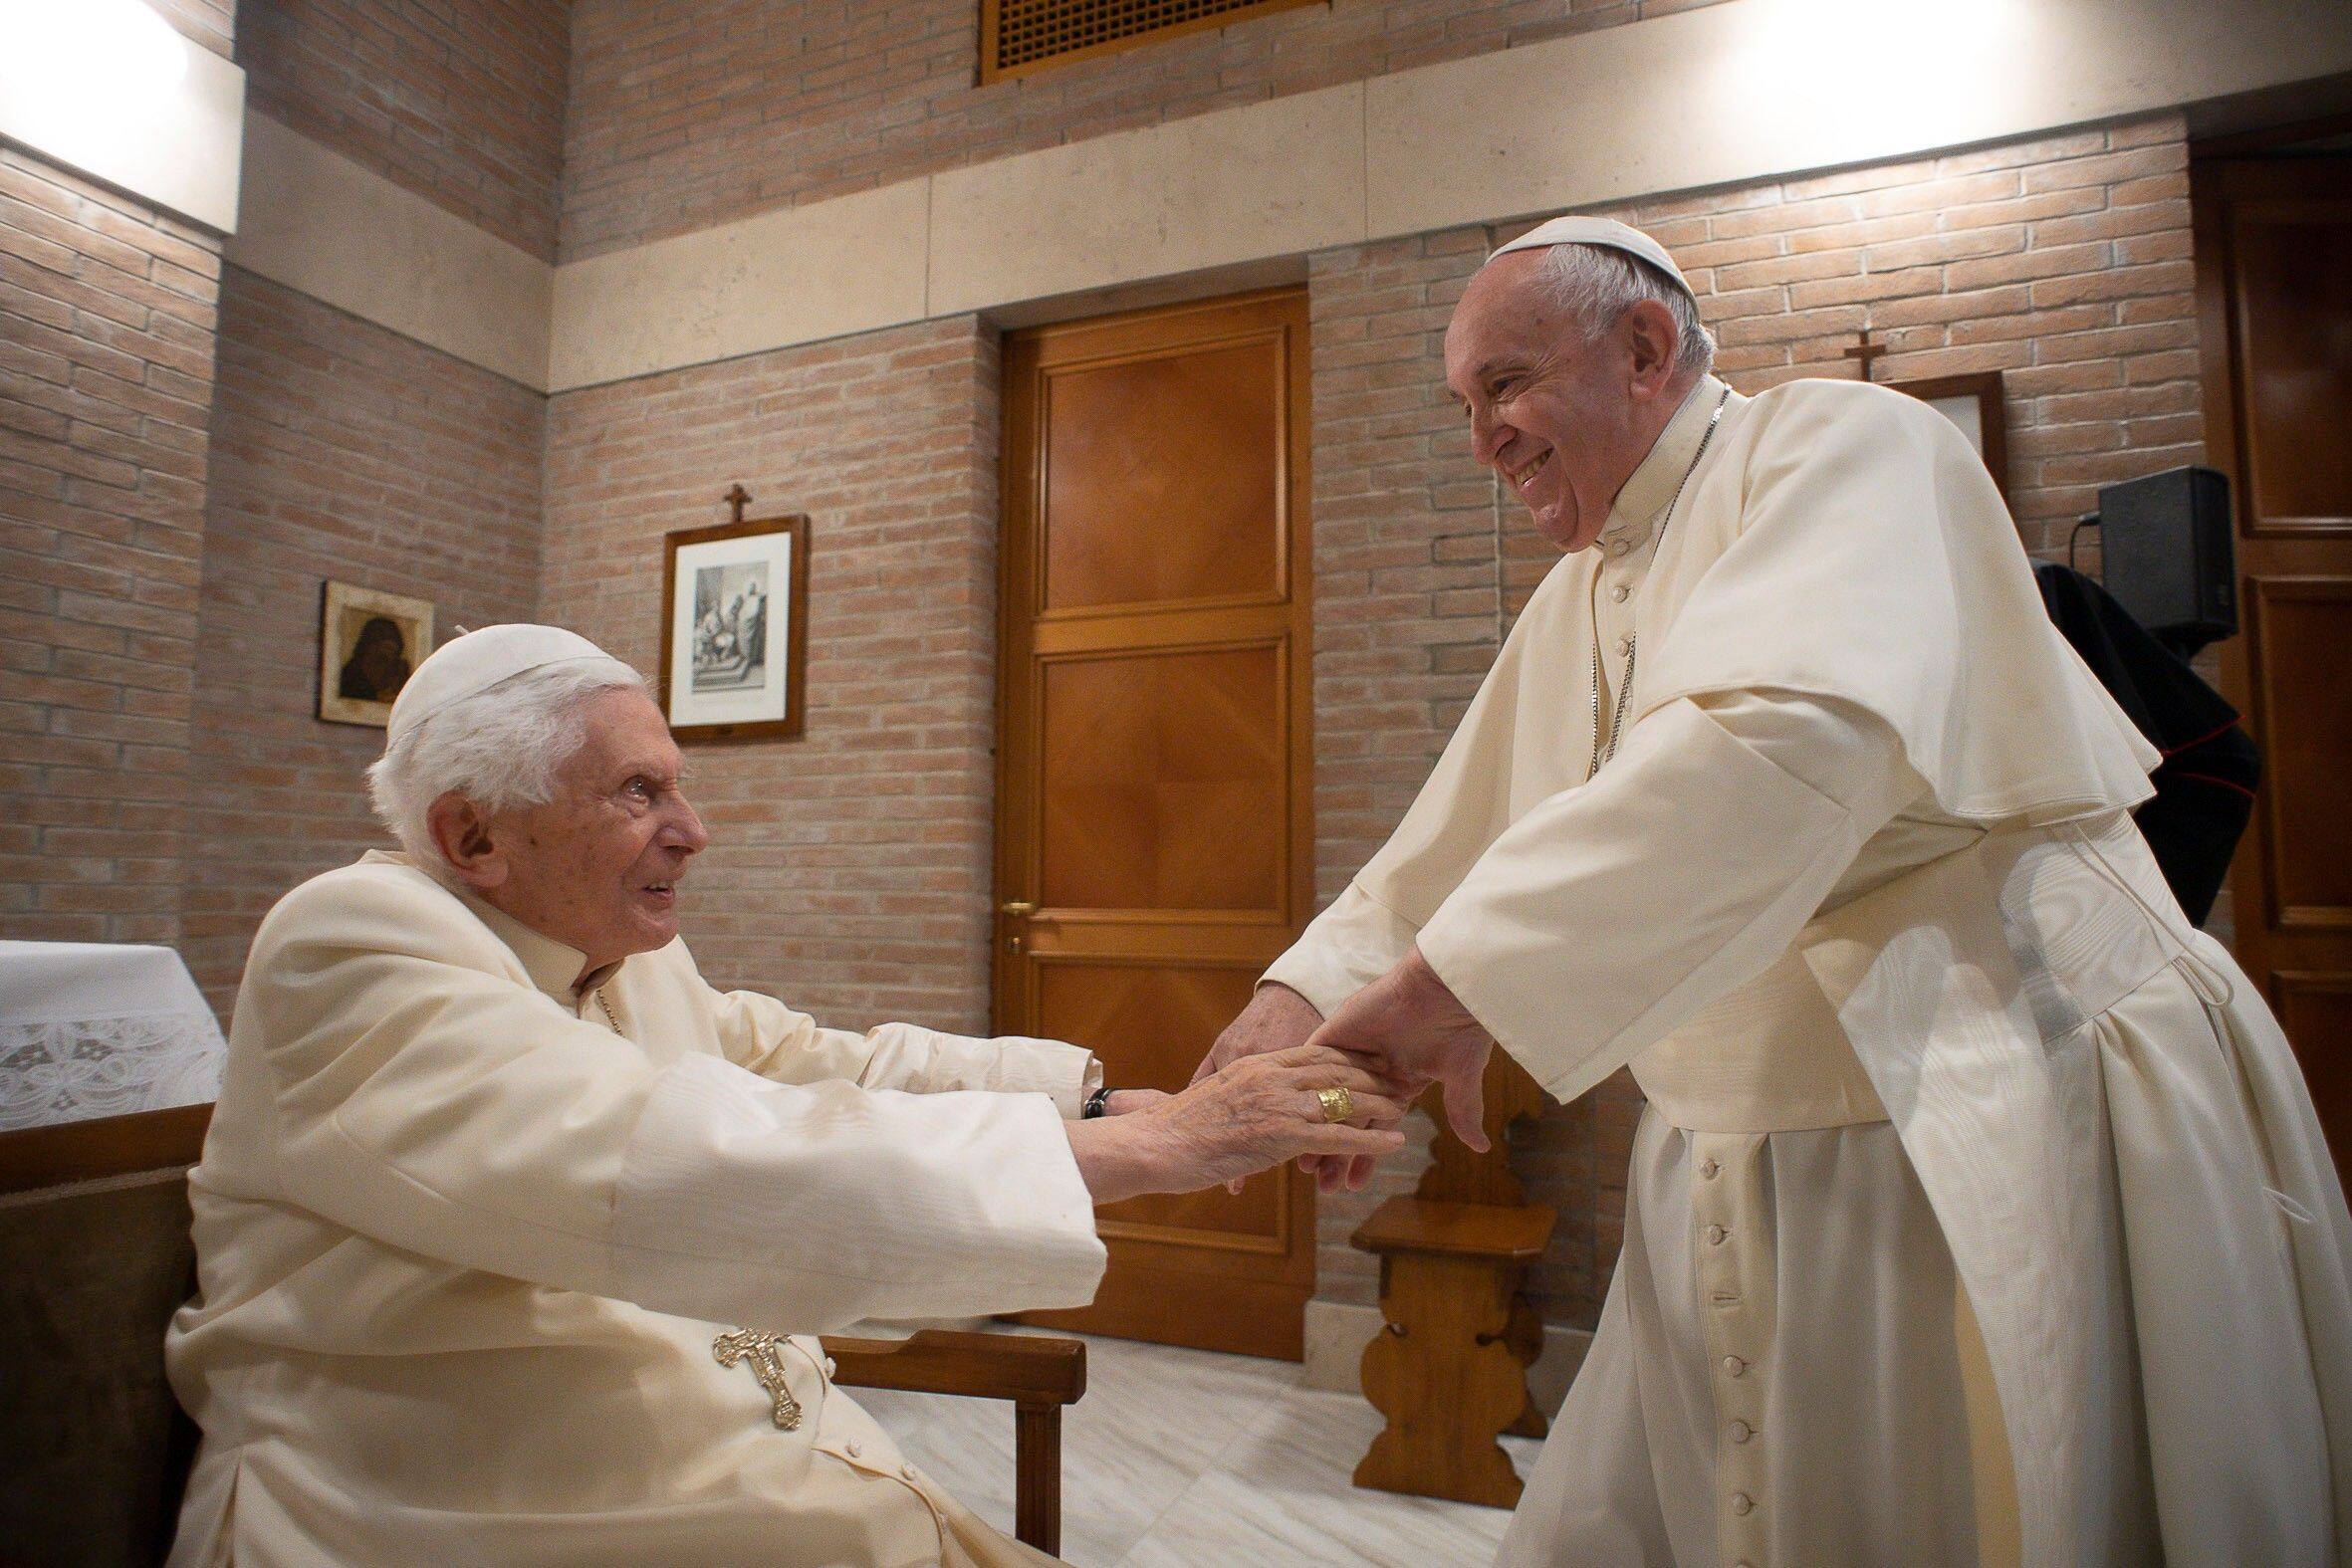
(856,1449)
(1722,1277)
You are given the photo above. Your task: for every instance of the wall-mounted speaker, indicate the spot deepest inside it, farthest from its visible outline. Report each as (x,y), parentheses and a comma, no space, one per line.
(2170,554)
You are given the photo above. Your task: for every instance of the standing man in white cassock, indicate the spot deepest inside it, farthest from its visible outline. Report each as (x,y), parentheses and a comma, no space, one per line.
(1978,1213)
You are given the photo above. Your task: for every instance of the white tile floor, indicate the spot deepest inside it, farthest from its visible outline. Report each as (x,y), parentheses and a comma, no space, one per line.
(1183,1458)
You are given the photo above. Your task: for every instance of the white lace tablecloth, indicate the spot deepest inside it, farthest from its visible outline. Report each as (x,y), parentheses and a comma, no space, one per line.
(99,1029)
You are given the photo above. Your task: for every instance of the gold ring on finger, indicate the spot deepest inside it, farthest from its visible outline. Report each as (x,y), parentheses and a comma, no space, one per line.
(1338,1104)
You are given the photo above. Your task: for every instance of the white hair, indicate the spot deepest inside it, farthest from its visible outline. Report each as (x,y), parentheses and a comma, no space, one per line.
(500,749)
(1597,284)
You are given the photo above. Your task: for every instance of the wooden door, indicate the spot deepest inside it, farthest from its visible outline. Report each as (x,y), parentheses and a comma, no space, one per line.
(1154,840)
(2275,282)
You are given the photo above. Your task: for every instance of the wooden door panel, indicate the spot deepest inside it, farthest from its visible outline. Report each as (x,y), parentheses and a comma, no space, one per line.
(2273,258)
(1164,478)
(1164,777)
(2295,273)
(2300,653)
(1154,830)
(2315,1009)
(1158,1020)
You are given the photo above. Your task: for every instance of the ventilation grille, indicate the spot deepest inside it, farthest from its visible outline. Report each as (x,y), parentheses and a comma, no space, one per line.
(1019,36)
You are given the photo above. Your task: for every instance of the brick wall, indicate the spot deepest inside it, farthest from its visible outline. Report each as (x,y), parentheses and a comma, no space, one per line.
(339,450)
(461,104)
(849,870)
(697,111)
(2060,261)
(107,328)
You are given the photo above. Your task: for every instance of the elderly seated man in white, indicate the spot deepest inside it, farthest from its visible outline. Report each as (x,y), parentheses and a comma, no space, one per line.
(494,1176)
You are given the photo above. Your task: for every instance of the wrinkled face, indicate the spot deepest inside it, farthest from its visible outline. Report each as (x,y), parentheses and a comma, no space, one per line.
(1563,421)
(597,867)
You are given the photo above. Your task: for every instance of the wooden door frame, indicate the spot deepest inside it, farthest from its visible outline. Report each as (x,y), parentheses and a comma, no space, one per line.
(2218,173)
(1015,868)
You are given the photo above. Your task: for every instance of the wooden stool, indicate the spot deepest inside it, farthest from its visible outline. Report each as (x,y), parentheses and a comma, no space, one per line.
(1450,1371)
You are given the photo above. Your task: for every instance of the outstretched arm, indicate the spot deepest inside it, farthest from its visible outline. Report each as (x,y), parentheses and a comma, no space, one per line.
(1613,912)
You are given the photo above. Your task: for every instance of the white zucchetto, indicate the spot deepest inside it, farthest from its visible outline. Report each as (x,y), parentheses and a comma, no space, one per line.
(1605,232)
(477,661)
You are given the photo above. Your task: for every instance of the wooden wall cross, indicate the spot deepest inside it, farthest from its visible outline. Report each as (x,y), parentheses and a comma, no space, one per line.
(1865,351)
(735,497)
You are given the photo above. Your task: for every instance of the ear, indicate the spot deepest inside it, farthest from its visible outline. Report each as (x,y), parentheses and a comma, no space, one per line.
(1653,343)
(463,833)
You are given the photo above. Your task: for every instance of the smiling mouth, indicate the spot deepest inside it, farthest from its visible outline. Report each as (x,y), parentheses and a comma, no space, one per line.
(1526,476)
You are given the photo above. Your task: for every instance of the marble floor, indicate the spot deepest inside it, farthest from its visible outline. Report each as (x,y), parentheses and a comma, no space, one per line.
(1183,1458)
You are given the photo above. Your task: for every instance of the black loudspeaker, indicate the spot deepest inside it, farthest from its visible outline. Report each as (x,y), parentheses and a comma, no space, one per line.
(2170,554)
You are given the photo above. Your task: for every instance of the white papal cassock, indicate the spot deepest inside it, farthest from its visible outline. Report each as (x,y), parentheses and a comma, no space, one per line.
(467,1241)
(1928,1047)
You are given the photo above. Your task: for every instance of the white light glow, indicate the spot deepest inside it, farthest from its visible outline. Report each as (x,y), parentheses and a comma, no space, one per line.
(1851,75)
(119,48)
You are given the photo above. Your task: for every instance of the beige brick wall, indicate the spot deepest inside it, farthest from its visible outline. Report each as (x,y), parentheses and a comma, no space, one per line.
(107,328)
(849,870)
(339,450)
(461,104)
(697,112)
(2062,262)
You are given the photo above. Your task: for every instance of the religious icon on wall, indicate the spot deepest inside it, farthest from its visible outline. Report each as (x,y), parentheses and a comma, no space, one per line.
(1972,403)
(368,641)
(734,635)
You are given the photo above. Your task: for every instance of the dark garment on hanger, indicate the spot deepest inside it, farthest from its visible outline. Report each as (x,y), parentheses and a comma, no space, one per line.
(2205,791)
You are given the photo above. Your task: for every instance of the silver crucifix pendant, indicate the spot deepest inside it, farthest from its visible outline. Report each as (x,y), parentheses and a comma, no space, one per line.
(741,1344)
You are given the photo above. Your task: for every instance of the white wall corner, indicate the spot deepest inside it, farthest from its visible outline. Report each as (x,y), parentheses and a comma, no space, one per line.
(178,149)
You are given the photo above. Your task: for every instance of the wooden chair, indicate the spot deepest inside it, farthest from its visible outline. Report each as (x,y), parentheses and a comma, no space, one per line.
(94,1257)
(1038,1374)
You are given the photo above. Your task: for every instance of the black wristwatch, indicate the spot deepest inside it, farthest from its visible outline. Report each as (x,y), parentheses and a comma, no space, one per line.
(1097,1104)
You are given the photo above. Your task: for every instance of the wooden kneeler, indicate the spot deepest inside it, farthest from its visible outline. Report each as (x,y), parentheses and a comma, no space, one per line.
(1450,1368)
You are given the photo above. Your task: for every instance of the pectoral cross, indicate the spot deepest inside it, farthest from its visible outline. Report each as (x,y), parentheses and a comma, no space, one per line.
(1865,351)
(736,496)
(759,1350)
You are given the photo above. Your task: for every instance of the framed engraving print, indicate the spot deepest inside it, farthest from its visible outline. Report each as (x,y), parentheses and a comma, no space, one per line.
(367,643)
(1973,402)
(734,630)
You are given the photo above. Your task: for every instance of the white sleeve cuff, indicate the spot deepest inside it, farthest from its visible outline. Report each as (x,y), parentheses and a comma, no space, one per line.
(1345,947)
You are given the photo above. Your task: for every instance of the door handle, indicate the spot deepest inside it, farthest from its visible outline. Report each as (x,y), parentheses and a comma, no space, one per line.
(1018,907)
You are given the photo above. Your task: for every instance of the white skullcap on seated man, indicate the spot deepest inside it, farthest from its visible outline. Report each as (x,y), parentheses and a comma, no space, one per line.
(1978,1211)
(506,1214)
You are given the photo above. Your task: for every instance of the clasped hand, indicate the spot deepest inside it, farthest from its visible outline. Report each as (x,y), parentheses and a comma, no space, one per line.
(1406,1025)
(1225,1126)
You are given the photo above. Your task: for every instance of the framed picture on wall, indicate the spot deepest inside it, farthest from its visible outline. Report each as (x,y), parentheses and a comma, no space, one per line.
(734,630)
(368,641)
(1972,402)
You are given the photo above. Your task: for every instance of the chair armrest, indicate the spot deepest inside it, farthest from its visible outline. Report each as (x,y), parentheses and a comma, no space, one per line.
(1025,1368)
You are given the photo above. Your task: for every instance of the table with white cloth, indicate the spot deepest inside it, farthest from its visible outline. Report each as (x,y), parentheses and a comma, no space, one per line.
(101,1028)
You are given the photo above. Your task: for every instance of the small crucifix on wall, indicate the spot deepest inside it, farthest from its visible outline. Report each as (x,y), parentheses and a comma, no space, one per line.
(1865,351)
